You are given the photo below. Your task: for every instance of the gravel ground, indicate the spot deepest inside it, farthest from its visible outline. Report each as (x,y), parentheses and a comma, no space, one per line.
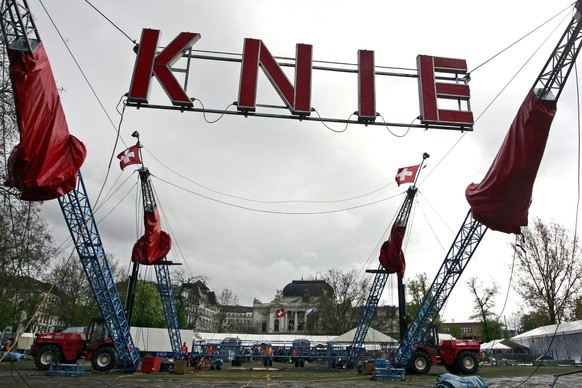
(24,374)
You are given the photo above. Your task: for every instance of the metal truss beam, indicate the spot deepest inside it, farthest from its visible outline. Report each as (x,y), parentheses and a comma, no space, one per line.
(168,303)
(18,28)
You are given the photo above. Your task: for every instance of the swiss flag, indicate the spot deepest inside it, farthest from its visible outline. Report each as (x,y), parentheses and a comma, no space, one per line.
(406,174)
(129,156)
(280,313)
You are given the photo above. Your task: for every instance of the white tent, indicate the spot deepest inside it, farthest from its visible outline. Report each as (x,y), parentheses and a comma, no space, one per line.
(279,339)
(562,341)
(494,345)
(373,336)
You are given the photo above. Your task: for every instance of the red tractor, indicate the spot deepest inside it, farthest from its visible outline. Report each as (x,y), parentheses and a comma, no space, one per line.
(70,345)
(458,356)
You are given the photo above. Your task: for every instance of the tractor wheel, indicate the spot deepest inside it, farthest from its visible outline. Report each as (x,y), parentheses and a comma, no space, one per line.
(452,368)
(47,355)
(104,359)
(467,363)
(420,364)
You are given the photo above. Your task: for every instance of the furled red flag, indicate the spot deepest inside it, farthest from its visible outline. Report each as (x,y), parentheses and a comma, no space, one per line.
(46,162)
(501,201)
(155,244)
(280,313)
(129,156)
(391,255)
(406,174)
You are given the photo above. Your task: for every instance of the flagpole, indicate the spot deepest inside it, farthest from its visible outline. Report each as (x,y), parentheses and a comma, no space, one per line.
(136,135)
(425,156)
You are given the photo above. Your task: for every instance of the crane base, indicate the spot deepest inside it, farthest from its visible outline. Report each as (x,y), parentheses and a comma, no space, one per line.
(385,371)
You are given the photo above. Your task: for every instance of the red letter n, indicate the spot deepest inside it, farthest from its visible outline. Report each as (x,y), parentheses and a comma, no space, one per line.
(297,99)
(431,91)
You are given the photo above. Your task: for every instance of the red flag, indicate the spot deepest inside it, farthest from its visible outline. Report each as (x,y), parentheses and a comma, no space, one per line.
(129,156)
(406,174)
(280,313)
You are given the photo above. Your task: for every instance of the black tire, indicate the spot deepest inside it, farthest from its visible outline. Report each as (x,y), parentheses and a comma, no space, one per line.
(48,354)
(452,369)
(420,364)
(104,359)
(467,362)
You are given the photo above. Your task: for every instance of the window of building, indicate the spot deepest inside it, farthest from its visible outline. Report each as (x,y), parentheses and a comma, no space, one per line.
(264,327)
(291,325)
(466,329)
(276,325)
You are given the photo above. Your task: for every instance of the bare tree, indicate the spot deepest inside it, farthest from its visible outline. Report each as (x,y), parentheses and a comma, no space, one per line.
(483,305)
(227,298)
(340,310)
(549,268)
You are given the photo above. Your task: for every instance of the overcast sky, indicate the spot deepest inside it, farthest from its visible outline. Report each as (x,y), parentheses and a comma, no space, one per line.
(199,168)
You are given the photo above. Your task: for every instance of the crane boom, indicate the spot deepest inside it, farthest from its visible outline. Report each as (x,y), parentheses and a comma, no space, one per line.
(162,273)
(467,240)
(378,285)
(21,35)
(83,228)
(547,87)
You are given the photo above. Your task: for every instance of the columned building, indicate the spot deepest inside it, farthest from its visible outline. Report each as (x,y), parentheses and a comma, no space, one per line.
(291,307)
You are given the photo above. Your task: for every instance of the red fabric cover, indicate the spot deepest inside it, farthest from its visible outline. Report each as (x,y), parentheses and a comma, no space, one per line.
(391,255)
(155,244)
(502,199)
(46,162)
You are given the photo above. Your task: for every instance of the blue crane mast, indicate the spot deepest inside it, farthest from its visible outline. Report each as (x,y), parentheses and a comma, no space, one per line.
(20,34)
(547,87)
(380,279)
(78,214)
(162,273)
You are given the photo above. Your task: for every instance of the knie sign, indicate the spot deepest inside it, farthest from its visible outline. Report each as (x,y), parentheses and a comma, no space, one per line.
(439,79)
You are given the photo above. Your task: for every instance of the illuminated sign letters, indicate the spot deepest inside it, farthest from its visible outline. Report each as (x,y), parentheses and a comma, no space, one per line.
(439,79)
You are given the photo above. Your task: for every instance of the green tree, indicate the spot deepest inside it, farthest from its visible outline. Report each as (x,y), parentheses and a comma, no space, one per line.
(147,308)
(417,290)
(533,320)
(549,269)
(483,305)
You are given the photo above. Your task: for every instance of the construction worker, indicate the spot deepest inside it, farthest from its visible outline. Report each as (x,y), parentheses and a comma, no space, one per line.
(267,355)
(184,348)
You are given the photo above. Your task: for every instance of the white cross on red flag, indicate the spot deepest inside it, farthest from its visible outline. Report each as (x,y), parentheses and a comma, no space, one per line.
(129,156)
(406,174)
(279,313)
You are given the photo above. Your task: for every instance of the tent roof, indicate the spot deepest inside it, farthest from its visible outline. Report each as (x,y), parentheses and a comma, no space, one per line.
(259,338)
(545,331)
(501,344)
(372,336)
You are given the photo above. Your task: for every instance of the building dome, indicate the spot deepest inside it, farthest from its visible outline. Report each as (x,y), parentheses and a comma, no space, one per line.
(307,288)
